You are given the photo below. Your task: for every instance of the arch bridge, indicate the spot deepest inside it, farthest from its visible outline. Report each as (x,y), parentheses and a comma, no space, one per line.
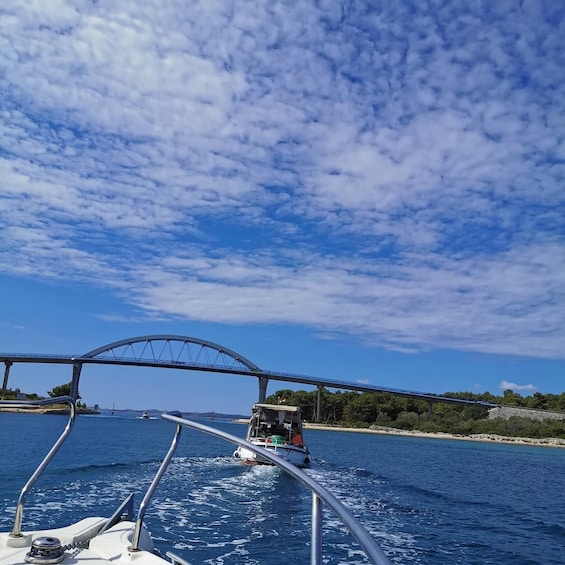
(193,354)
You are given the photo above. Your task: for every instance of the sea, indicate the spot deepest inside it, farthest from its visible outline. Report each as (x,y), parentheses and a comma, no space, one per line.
(424,500)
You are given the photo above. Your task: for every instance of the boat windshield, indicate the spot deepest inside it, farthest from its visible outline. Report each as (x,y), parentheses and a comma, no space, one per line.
(273,420)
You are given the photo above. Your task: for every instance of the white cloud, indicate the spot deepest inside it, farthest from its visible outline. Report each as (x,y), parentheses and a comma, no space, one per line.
(391,173)
(505,385)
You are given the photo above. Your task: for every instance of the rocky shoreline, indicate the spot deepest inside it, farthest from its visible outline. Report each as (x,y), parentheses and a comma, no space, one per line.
(494,438)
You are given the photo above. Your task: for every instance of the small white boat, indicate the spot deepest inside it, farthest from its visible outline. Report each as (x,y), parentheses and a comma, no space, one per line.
(145,416)
(277,428)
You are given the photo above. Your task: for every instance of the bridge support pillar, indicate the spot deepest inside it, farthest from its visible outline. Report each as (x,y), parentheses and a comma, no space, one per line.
(430,409)
(77,368)
(319,404)
(263,382)
(6,376)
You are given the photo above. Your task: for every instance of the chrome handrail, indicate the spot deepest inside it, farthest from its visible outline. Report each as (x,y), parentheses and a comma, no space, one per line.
(320,495)
(148,495)
(17,529)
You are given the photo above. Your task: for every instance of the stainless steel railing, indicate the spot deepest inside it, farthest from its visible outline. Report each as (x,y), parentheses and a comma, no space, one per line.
(148,495)
(17,529)
(320,495)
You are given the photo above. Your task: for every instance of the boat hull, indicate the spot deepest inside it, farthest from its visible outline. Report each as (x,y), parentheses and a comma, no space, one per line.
(298,456)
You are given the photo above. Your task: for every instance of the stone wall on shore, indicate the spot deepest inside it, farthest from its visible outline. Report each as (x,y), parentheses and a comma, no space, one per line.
(507,412)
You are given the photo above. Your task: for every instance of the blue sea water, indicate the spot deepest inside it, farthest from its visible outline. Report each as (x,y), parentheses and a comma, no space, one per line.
(425,501)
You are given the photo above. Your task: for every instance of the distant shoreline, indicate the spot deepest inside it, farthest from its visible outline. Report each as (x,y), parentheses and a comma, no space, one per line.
(379,430)
(49,411)
(488,438)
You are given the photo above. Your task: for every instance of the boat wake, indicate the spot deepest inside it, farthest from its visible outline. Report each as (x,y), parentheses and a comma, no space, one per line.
(218,511)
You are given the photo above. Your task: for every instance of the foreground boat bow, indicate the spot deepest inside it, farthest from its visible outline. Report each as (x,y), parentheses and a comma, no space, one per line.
(118,540)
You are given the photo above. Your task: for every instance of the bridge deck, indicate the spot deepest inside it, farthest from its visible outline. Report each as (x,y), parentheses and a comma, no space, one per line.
(230,365)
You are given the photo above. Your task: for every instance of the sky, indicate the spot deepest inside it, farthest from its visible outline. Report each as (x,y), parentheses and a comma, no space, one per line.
(366,191)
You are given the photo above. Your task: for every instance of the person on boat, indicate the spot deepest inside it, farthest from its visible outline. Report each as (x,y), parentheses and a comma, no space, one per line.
(296,438)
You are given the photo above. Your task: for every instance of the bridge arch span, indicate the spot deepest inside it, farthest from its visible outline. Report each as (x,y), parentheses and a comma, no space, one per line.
(172,350)
(190,353)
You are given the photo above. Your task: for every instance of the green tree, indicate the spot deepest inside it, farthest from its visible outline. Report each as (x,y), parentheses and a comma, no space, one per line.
(383,408)
(61,390)
(512,398)
(537,401)
(362,409)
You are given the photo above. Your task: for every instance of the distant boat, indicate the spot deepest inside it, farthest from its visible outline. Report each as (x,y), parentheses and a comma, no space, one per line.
(278,429)
(145,416)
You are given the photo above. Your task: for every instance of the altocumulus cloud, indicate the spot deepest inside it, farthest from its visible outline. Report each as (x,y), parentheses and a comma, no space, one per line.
(389,171)
(505,385)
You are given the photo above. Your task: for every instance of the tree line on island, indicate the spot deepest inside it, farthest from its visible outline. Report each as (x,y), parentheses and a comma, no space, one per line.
(354,409)
(365,409)
(60,390)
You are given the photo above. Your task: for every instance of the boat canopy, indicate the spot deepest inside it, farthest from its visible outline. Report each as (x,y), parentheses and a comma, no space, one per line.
(277,407)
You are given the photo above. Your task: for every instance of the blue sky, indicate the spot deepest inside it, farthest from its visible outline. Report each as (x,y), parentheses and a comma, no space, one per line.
(370,191)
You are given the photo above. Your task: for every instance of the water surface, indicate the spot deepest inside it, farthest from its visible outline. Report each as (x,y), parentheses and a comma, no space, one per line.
(424,500)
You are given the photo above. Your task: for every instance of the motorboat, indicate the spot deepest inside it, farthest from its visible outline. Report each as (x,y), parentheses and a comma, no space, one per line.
(123,539)
(145,416)
(278,429)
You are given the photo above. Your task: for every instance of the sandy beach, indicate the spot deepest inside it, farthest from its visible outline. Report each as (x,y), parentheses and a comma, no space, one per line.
(544,442)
